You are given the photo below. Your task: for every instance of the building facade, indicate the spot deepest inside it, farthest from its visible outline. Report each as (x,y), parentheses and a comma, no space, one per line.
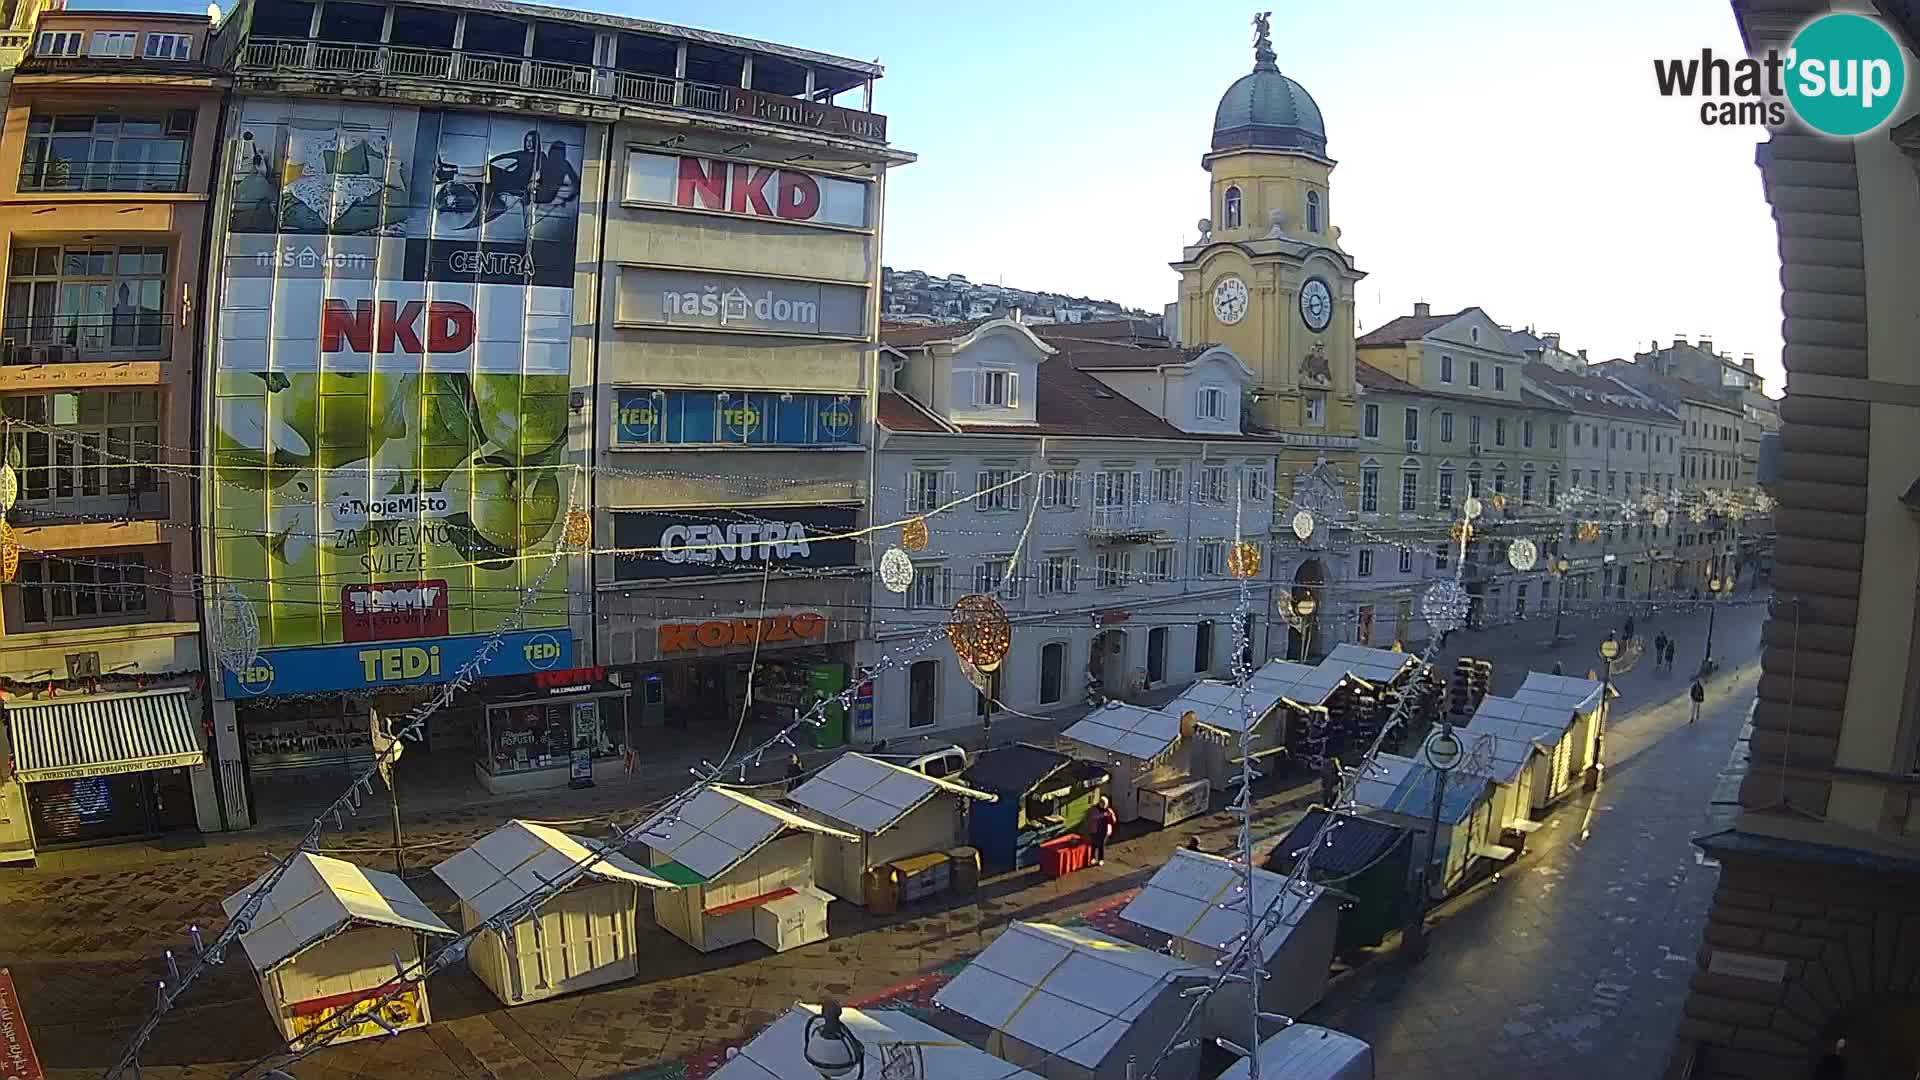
(1809,939)
(107,162)
(497,286)
(1111,556)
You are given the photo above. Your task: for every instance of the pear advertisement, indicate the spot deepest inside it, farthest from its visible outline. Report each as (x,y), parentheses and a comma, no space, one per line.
(392,375)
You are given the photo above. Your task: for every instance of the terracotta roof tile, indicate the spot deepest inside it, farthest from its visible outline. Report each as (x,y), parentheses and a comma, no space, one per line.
(1135,330)
(1407,328)
(914,335)
(1072,402)
(1375,379)
(899,414)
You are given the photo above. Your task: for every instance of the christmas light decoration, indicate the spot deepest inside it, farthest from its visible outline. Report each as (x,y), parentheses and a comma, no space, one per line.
(1522,554)
(1661,518)
(913,535)
(1461,532)
(579,531)
(9,554)
(979,631)
(1445,605)
(9,486)
(1303,524)
(1499,501)
(1589,532)
(1472,508)
(1243,560)
(896,571)
(236,630)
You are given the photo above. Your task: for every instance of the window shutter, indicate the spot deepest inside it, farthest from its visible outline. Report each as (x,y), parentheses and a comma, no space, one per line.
(979,490)
(1073,575)
(916,491)
(1046,491)
(1077,481)
(979,388)
(946,586)
(949,487)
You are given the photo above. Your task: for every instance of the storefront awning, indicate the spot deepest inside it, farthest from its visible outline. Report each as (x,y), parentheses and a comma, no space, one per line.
(104,734)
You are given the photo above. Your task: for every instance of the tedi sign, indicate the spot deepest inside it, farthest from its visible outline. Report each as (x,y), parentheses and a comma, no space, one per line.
(1843,75)
(749,189)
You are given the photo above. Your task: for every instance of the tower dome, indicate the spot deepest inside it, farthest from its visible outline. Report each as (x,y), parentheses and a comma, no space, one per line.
(1265,110)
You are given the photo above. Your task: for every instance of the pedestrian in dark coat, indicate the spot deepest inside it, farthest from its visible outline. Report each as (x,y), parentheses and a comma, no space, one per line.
(1698,694)
(1660,649)
(1629,634)
(1669,654)
(1100,824)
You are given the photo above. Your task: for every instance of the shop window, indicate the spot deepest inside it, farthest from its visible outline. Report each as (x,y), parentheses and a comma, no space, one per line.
(107,151)
(1157,655)
(1053,671)
(304,733)
(923,693)
(1203,646)
(82,587)
(88,452)
(523,738)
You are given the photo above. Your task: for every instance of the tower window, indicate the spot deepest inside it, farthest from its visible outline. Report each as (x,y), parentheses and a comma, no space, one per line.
(1313,211)
(1230,209)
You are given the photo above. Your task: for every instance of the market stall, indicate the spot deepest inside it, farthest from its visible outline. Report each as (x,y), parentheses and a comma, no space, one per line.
(892,812)
(549,730)
(1142,749)
(1379,667)
(1400,790)
(896,1044)
(1221,713)
(1565,742)
(1304,691)
(1071,1003)
(326,940)
(580,937)
(1511,753)
(1585,700)
(1042,794)
(732,856)
(1308,1052)
(1371,861)
(1187,901)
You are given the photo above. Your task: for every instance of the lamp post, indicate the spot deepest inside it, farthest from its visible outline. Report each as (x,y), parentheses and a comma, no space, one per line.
(1609,649)
(1560,568)
(1716,588)
(833,1051)
(1443,753)
(1303,607)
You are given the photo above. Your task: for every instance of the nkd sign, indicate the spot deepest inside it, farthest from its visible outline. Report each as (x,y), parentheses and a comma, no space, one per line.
(747,189)
(681,298)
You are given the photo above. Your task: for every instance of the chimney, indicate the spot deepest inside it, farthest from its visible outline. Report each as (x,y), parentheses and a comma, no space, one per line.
(1583,356)
(1746,361)
(1552,340)
(1679,341)
(1015,315)
(1706,345)
(1422,309)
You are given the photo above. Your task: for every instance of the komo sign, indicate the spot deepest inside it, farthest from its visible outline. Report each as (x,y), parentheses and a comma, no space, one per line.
(746,189)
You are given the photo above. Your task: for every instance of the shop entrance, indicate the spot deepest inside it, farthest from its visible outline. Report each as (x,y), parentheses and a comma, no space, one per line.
(695,706)
(94,809)
(1107,662)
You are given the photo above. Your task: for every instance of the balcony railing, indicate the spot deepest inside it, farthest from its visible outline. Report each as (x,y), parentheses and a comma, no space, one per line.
(148,176)
(294,56)
(1127,524)
(75,339)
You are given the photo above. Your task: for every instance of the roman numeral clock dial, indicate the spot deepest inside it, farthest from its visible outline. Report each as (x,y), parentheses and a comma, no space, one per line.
(1230,300)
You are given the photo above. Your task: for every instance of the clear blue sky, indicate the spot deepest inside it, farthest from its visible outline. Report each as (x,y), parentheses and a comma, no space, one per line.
(1511,154)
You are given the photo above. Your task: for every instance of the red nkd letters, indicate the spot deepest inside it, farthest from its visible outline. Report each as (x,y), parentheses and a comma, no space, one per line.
(742,189)
(392,326)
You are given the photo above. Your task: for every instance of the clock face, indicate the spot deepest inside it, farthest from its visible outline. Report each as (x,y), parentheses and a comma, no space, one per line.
(1316,304)
(1230,300)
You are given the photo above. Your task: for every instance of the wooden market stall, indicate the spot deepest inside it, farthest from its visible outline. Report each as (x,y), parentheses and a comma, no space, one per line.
(581,937)
(1221,713)
(1144,750)
(1401,790)
(1186,900)
(1071,1003)
(896,1044)
(744,870)
(1042,794)
(1521,757)
(1566,746)
(1585,699)
(892,813)
(1370,860)
(325,941)
(1305,692)
(1382,668)
(1308,1052)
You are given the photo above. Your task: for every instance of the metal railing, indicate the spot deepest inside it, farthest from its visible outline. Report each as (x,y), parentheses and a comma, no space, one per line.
(74,339)
(54,174)
(323,58)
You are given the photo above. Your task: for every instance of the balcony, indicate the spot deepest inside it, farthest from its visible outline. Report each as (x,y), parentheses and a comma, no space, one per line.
(80,339)
(466,70)
(1128,524)
(55,174)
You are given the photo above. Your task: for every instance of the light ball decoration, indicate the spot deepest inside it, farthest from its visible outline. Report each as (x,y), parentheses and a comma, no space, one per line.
(1649,502)
(1472,508)
(1445,605)
(981,680)
(896,571)
(979,631)
(9,554)
(913,535)
(1661,517)
(236,630)
(1499,501)
(1698,515)
(1243,560)
(1461,532)
(579,531)
(1589,532)
(1303,525)
(9,486)
(1522,554)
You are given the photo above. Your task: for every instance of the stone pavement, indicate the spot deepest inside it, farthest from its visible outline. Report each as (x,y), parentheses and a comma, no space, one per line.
(1574,963)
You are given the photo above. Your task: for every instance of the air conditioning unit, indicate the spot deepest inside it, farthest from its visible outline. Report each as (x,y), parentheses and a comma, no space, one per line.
(1474,449)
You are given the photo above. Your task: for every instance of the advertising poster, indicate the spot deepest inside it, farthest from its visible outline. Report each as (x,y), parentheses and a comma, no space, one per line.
(392,377)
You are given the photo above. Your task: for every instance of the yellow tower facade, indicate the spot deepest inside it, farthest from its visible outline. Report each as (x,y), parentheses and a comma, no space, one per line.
(1268,278)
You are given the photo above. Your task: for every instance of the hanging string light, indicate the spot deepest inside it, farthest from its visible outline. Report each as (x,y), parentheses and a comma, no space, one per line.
(913,535)
(979,631)
(9,554)
(896,571)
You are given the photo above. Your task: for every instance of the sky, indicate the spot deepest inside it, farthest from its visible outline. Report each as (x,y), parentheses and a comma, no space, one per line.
(1509,154)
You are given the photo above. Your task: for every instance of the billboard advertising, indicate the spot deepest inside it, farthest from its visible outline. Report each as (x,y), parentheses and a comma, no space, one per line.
(392,373)
(701,300)
(685,182)
(734,418)
(714,541)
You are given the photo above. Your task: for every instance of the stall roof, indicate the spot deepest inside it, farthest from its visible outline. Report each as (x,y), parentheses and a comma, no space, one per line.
(1504,756)
(1183,900)
(1070,992)
(320,896)
(1373,665)
(719,828)
(520,857)
(1219,705)
(1397,785)
(1562,691)
(1299,683)
(1349,847)
(1015,769)
(1544,724)
(779,1051)
(1308,1050)
(872,795)
(1138,733)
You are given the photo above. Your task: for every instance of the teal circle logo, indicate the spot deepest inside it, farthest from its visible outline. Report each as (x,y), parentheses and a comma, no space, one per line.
(1845,74)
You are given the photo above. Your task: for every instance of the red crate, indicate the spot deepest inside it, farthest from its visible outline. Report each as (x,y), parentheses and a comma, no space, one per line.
(1063,855)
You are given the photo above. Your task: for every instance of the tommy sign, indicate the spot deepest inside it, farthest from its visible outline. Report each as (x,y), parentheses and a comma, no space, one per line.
(393,610)
(717,541)
(737,187)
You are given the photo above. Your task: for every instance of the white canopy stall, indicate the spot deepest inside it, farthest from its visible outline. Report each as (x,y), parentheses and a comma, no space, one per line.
(1379,667)
(1306,690)
(1585,699)
(1074,1004)
(327,939)
(1566,745)
(1143,749)
(1184,900)
(1308,1052)
(732,855)
(1221,713)
(1400,790)
(1505,752)
(896,812)
(892,1040)
(581,937)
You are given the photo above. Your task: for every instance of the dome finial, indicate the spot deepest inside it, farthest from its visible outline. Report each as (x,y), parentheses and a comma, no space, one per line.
(1263,54)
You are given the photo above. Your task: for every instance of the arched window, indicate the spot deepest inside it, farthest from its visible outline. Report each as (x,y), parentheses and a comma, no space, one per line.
(1230,209)
(1313,211)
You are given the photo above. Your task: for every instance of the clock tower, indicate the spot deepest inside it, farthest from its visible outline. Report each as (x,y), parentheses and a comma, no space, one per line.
(1268,278)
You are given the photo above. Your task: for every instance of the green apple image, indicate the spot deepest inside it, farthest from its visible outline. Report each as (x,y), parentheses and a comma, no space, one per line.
(248,442)
(345,416)
(446,413)
(509,508)
(521,414)
(539,491)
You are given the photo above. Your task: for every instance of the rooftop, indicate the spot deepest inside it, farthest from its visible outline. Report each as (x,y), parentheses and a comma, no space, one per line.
(1406,328)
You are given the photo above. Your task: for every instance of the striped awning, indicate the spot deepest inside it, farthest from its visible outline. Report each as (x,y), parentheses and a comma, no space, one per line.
(103,735)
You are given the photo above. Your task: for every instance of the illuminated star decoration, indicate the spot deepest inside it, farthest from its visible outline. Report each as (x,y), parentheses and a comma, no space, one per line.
(913,535)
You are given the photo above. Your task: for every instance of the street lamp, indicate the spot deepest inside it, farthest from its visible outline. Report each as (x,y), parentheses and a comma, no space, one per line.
(1560,567)
(1609,649)
(831,1048)
(1303,607)
(1716,588)
(1443,752)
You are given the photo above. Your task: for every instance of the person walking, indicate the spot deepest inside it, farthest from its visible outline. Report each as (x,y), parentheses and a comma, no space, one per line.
(1329,781)
(1670,644)
(1660,650)
(1559,668)
(1698,694)
(1629,634)
(1100,825)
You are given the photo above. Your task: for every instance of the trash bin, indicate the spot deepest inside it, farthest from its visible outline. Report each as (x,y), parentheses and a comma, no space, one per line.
(966,869)
(883,890)
(922,876)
